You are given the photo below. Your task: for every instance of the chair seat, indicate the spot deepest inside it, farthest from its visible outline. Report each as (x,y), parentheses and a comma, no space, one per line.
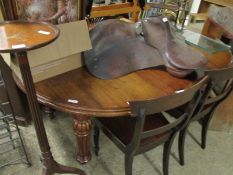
(123,127)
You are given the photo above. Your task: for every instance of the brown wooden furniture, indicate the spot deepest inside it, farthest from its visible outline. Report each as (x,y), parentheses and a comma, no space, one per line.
(147,127)
(117,9)
(214,30)
(128,7)
(17,37)
(217,90)
(84,96)
(206,3)
(211,28)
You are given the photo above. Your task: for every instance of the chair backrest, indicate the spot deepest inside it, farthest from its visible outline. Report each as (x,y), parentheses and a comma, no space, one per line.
(218,77)
(141,109)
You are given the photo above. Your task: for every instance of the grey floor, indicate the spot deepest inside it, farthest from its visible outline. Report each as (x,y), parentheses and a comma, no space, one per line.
(217,159)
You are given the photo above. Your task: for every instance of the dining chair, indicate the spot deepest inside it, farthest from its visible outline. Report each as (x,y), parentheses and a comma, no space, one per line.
(218,89)
(147,127)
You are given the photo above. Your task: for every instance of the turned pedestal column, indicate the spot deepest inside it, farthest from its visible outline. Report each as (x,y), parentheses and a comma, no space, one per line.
(82,129)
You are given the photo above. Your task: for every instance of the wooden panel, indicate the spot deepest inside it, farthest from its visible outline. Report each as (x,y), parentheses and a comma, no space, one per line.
(226,3)
(205,4)
(117,9)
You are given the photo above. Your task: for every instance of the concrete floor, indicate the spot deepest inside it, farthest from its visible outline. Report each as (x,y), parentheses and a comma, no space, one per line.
(216,159)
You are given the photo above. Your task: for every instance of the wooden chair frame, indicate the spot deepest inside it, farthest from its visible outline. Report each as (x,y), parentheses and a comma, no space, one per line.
(208,105)
(140,110)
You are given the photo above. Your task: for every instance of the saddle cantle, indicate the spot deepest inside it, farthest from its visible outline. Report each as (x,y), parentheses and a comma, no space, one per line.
(119,50)
(175,52)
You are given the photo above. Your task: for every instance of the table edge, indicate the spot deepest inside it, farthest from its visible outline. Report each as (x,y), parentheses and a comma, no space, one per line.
(74,109)
(10,50)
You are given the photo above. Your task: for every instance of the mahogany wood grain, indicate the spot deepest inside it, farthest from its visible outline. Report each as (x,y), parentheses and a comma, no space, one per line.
(19,33)
(108,98)
(82,128)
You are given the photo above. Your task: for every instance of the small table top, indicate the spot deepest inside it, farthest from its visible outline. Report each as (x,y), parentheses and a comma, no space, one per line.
(16,36)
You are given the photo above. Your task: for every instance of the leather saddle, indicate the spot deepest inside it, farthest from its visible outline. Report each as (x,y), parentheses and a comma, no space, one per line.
(119,50)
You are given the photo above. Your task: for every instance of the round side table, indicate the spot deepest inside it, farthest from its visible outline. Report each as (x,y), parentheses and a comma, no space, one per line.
(18,37)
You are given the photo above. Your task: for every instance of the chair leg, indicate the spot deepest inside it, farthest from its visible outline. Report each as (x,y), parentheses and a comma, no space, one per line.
(128,164)
(205,126)
(96,139)
(166,154)
(181,145)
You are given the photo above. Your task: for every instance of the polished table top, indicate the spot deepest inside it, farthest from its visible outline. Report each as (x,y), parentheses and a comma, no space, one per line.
(108,97)
(79,92)
(16,36)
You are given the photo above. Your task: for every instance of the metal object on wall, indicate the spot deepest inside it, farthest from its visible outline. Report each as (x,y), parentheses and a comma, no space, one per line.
(12,149)
(175,10)
(185,6)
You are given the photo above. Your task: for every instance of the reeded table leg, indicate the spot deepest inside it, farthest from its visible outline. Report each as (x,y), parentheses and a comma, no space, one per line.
(82,128)
(50,165)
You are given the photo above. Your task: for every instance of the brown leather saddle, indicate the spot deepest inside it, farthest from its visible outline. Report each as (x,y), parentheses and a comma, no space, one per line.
(119,50)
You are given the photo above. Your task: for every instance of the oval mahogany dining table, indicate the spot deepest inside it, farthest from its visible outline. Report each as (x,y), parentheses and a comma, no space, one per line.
(85,96)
